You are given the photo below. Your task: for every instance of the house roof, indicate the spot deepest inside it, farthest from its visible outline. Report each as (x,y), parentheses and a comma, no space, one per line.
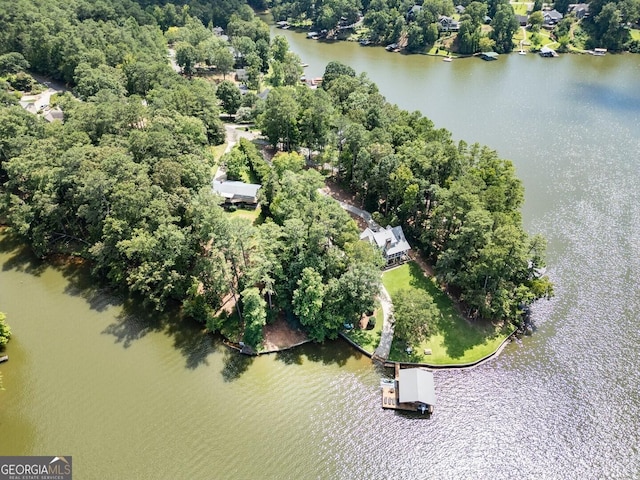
(460,8)
(416,385)
(391,238)
(552,14)
(231,189)
(53,115)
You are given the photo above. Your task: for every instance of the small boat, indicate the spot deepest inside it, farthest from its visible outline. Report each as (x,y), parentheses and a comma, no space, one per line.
(447,59)
(522,52)
(4,358)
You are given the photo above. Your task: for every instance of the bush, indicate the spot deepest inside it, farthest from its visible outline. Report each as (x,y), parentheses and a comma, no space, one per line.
(5,330)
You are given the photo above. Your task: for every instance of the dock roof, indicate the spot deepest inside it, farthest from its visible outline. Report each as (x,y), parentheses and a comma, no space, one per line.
(416,385)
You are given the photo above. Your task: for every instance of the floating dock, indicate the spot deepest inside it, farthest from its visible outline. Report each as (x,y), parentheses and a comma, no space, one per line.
(412,390)
(4,358)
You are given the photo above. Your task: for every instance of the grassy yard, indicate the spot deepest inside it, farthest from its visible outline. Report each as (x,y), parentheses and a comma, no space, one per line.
(253,215)
(368,339)
(635,33)
(520,8)
(218,151)
(455,340)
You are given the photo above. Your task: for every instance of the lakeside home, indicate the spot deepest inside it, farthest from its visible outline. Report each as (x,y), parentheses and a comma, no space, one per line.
(391,242)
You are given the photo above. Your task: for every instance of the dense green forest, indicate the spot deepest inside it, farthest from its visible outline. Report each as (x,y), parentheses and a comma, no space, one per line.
(125,180)
(483,25)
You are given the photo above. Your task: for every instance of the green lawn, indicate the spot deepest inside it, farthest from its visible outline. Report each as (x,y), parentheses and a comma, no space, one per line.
(635,34)
(252,215)
(218,151)
(455,340)
(368,339)
(520,8)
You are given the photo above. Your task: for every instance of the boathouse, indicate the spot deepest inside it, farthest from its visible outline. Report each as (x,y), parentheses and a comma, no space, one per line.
(412,390)
(489,56)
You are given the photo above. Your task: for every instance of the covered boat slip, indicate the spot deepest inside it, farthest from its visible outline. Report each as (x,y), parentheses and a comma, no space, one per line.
(413,390)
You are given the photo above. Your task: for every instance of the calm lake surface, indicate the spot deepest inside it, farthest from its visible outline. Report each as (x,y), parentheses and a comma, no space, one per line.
(133,396)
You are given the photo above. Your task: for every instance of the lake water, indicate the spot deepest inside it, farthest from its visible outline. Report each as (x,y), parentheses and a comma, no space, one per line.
(135,396)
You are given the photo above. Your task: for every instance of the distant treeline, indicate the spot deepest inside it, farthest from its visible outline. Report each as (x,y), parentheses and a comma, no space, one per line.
(419,22)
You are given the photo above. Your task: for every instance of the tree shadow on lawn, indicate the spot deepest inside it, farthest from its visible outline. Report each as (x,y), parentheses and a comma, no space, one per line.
(459,334)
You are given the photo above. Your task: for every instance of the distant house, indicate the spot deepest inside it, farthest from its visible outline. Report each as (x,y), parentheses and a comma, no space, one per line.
(551,17)
(237,192)
(580,10)
(487,19)
(241,75)
(390,241)
(460,9)
(54,115)
(447,24)
(218,31)
(264,94)
(523,20)
(413,11)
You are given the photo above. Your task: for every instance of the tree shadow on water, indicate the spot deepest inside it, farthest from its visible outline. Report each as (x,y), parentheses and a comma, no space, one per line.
(293,356)
(192,340)
(189,338)
(235,364)
(80,283)
(330,352)
(133,323)
(22,258)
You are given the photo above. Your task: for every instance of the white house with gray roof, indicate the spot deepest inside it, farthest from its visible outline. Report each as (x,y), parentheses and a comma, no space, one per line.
(237,192)
(391,241)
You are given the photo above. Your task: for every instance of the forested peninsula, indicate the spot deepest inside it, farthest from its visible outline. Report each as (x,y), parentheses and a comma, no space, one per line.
(125,181)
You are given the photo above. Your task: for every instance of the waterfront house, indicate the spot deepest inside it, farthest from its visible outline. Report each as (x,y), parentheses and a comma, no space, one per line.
(235,192)
(523,20)
(447,24)
(551,17)
(391,242)
(460,9)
